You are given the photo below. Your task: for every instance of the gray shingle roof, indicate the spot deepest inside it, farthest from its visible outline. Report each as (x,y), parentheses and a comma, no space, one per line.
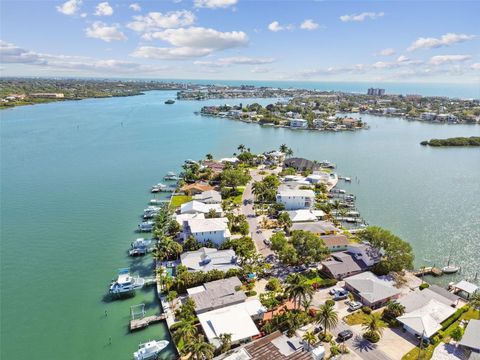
(370,287)
(218,294)
(471,337)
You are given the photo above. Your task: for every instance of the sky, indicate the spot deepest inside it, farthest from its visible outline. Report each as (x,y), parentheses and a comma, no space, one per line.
(390,41)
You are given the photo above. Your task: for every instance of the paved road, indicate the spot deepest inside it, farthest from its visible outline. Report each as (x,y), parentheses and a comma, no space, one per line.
(363,348)
(247,209)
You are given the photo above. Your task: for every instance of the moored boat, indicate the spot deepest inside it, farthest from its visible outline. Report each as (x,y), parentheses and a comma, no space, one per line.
(170,176)
(450,269)
(170,102)
(150,349)
(125,283)
(146,226)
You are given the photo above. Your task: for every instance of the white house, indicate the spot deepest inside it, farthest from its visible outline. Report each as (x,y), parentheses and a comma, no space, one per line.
(195,207)
(181,218)
(215,230)
(298,123)
(209,197)
(366,253)
(428,116)
(296,199)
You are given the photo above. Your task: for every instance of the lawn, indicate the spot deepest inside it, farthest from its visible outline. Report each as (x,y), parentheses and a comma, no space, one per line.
(236,200)
(359,317)
(178,200)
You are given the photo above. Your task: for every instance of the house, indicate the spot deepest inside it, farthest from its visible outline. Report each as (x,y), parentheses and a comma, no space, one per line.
(366,253)
(464,288)
(371,290)
(428,116)
(275,157)
(349,122)
(209,197)
(318,123)
(215,166)
(471,337)
(234,319)
(182,218)
(296,199)
(217,294)
(426,320)
(194,207)
(419,298)
(301,164)
(215,230)
(275,346)
(341,265)
(195,188)
(48,95)
(302,215)
(335,242)
(319,227)
(453,299)
(298,123)
(206,259)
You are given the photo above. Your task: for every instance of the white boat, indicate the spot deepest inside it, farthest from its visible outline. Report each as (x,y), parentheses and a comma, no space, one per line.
(125,283)
(150,350)
(170,176)
(450,269)
(146,226)
(158,201)
(347,179)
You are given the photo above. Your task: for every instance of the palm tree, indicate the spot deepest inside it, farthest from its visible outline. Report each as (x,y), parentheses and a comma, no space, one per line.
(394,309)
(310,338)
(185,330)
(374,324)
(298,289)
(289,152)
(199,349)
(258,189)
(241,148)
(284,221)
(306,304)
(209,156)
(283,148)
(225,342)
(327,317)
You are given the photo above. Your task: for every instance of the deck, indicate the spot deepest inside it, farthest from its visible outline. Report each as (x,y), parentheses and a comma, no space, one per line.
(146,321)
(429,271)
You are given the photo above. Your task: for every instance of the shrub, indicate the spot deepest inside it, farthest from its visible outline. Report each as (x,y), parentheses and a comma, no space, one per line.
(273,284)
(367,310)
(435,340)
(371,336)
(325,337)
(457,333)
(330,302)
(424,286)
(454,317)
(251,293)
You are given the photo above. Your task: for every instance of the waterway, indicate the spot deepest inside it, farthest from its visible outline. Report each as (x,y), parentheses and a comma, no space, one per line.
(75,179)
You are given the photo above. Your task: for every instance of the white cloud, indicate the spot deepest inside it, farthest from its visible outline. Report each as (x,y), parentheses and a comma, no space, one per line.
(103,9)
(361,17)
(70,7)
(190,42)
(445,59)
(102,31)
(135,7)
(214,4)
(309,24)
(12,54)
(386,52)
(444,40)
(475,66)
(236,60)
(402,58)
(260,70)
(156,21)
(275,26)
(83,15)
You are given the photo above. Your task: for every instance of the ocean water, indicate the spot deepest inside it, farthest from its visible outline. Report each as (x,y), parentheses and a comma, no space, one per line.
(75,178)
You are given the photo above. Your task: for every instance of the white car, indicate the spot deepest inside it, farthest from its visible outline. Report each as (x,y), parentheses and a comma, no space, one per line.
(354,305)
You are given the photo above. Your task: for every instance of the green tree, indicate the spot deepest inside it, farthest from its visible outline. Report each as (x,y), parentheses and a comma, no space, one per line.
(211,214)
(234,178)
(284,221)
(393,310)
(225,342)
(327,317)
(398,254)
(283,148)
(199,349)
(184,331)
(475,300)
(298,289)
(373,325)
(309,247)
(310,338)
(191,244)
(457,333)
(209,157)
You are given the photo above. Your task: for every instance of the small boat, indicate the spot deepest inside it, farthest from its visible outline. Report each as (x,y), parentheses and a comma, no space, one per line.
(347,179)
(150,212)
(450,269)
(170,176)
(170,102)
(125,283)
(146,226)
(150,350)
(158,201)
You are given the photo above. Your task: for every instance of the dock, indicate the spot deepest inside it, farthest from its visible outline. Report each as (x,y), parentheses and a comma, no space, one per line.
(431,270)
(136,324)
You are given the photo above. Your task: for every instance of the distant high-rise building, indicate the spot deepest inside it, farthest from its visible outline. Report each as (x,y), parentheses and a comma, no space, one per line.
(376,92)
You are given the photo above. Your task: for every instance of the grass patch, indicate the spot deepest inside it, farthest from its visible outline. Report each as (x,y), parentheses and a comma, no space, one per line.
(417,354)
(237,199)
(359,317)
(178,200)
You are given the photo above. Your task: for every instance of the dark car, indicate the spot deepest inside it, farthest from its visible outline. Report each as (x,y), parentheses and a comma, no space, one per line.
(317,329)
(266,242)
(345,335)
(340,295)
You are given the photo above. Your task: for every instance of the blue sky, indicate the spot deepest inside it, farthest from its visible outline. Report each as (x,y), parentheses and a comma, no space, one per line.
(421,41)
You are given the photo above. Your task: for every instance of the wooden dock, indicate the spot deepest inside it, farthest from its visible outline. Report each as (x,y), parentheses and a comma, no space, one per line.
(428,271)
(145,321)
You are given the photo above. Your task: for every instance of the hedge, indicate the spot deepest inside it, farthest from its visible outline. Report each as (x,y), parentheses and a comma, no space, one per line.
(454,317)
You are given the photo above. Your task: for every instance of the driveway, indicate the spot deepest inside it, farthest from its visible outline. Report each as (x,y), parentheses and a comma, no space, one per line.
(246,208)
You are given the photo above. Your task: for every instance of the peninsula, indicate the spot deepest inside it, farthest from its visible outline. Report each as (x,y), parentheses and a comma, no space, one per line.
(455,141)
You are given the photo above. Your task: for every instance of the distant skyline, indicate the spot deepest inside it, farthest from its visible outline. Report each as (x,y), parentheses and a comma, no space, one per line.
(378,41)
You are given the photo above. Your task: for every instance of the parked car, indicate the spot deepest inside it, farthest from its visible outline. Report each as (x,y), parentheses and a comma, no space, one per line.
(340,295)
(333,291)
(266,242)
(354,305)
(317,329)
(345,335)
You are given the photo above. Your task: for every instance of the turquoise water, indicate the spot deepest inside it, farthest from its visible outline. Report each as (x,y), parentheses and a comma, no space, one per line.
(75,178)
